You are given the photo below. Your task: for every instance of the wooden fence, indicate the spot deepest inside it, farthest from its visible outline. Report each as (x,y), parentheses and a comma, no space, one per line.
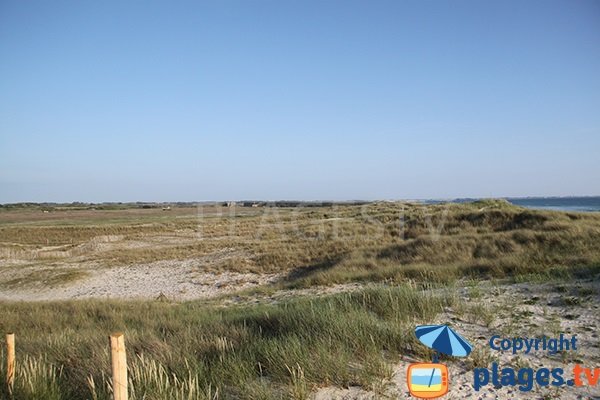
(117,355)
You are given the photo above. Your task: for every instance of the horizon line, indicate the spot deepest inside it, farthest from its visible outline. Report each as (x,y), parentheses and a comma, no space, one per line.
(267,201)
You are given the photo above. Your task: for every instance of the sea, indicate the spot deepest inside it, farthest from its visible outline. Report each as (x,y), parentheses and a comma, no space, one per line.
(572,204)
(576,204)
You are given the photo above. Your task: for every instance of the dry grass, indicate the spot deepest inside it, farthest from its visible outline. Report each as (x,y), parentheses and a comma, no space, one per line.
(323,245)
(45,277)
(197,351)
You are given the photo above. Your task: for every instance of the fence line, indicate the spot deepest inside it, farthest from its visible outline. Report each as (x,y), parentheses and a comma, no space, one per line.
(119,366)
(118,360)
(10,361)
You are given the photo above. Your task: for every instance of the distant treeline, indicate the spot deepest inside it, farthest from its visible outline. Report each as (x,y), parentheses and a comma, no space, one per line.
(291,203)
(77,205)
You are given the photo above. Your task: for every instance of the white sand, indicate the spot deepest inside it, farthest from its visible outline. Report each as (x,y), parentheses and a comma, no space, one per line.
(177,280)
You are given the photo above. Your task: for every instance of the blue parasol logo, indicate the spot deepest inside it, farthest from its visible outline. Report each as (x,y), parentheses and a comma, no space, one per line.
(443,339)
(431,380)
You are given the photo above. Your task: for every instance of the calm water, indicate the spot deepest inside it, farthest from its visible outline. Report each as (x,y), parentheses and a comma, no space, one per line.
(578,204)
(559,203)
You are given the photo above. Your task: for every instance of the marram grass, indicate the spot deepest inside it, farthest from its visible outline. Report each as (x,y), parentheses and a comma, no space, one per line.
(193,351)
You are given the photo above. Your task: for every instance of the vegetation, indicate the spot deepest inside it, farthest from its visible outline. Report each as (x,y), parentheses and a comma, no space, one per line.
(322,245)
(284,350)
(189,350)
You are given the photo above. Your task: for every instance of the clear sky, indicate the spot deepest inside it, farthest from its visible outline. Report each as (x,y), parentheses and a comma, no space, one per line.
(183,101)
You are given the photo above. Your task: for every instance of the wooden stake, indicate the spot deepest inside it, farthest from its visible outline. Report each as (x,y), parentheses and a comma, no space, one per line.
(10,361)
(119,366)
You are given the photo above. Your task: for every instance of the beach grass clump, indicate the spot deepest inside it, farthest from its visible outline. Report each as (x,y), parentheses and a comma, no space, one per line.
(193,350)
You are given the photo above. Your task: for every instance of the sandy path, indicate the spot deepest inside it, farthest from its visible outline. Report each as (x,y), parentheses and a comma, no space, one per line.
(177,280)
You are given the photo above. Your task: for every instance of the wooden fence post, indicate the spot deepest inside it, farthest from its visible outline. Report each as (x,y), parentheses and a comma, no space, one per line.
(119,366)
(10,361)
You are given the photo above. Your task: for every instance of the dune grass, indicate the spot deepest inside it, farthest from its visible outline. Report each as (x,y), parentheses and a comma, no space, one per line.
(199,350)
(332,244)
(191,350)
(44,278)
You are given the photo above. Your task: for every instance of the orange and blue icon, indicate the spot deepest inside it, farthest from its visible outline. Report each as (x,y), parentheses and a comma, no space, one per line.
(430,380)
(427,380)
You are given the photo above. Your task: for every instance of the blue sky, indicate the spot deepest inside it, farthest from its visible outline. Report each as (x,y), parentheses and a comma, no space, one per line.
(199,100)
